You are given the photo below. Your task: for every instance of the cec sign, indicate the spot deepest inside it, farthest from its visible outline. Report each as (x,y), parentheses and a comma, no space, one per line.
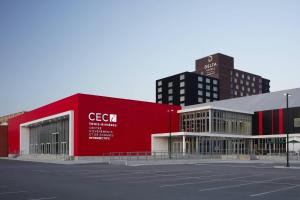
(297,122)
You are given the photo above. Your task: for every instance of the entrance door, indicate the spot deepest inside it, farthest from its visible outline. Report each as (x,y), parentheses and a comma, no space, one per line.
(55,143)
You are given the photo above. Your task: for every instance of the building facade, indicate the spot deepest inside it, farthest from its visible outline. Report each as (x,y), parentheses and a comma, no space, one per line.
(88,125)
(183,89)
(255,124)
(186,89)
(233,82)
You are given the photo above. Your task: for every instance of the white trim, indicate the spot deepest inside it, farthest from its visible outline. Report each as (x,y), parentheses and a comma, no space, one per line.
(207,134)
(24,131)
(184,110)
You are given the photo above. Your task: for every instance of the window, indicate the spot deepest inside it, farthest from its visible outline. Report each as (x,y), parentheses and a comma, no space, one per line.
(248,89)
(181,84)
(200,92)
(182,98)
(170,91)
(215,81)
(252,84)
(254,91)
(243,75)
(207,80)
(243,88)
(159,101)
(159,96)
(235,92)
(242,93)
(207,87)
(247,83)
(253,78)
(248,77)
(237,87)
(236,74)
(159,83)
(208,94)
(200,99)
(207,100)
(200,78)
(182,91)
(235,80)
(170,98)
(159,89)
(170,84)
(260,80)
(182,104)
(215,95)
(200,85)
(182,77)
(242,82)
(215,89)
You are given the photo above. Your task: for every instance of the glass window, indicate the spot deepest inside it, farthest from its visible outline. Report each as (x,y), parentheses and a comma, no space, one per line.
(215,95)
(236,74)
(247,83)
(159,89)
(200,99)
(248,77)
(248,89)
(170,98)
(159,96)
(243,75)
(200,92)
(215,89)
(159,83)
(170,91)
(182,77)
(237,87)
(200,78)
(235,80)
(252,84)
(207,80)
(207,87)
(215,81)
(159,101)
(182,91)
(182,104)
(254,91)
(253,78)
(182,98)
(170,84)
(200,85)
(182,84)
(208,94)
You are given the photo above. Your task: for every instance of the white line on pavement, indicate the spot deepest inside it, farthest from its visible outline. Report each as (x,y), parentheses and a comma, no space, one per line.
(44,198)
(273,191)
(239,185)
(13,192)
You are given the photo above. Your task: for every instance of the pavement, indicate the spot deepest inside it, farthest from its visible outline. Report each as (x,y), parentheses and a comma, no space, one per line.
(207,181)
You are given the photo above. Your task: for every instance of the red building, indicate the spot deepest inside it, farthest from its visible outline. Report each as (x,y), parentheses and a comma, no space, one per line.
(88,125)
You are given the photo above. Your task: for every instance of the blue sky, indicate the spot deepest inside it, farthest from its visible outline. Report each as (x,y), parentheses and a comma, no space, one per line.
(54,48)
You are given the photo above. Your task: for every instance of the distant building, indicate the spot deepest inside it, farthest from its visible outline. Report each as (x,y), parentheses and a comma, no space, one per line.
(187,88)
(230,83)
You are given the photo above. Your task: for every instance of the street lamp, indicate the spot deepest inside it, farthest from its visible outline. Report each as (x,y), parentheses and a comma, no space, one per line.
(287,129)
(170,131)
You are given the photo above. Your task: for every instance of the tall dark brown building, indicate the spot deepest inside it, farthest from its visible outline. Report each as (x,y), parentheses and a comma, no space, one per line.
(232,82)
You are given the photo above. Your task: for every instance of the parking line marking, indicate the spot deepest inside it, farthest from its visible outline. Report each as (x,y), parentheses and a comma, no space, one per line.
(273,191)
(204,181)
(16,192)
(149,176)
(175,177)
(239,185)
(44,198)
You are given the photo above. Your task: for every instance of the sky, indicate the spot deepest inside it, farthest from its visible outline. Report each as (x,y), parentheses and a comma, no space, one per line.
(52,49)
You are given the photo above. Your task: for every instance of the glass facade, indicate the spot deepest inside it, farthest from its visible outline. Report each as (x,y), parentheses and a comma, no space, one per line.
(231,122)
(50,138)
(195,121)
(221,122)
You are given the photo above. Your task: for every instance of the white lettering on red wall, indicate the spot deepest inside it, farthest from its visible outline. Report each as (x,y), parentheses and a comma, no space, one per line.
(102,125)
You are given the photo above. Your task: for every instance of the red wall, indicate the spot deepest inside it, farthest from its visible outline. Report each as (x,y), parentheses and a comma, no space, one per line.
(66,104)
(3,141)
(136,121)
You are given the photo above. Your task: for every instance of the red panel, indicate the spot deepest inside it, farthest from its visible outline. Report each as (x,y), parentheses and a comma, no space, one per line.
(272,122)
(280,120)
(63,105)
(260,123)
(3,141)
(136,121)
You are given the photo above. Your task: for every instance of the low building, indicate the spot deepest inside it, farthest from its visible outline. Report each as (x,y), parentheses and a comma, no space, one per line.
(256,124)
(88,125)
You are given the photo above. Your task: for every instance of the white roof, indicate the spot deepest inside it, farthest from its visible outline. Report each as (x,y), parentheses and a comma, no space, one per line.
(250,104)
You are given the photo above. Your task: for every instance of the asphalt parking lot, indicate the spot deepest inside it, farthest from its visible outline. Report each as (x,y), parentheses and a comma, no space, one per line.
(224,181)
